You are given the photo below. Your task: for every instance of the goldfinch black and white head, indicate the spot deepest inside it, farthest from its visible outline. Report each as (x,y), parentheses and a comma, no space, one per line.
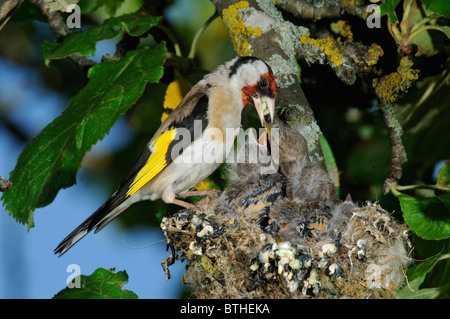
(191,143)
(259,90)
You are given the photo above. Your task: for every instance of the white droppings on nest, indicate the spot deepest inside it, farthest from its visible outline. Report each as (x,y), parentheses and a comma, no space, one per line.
(232,258)
(329,250)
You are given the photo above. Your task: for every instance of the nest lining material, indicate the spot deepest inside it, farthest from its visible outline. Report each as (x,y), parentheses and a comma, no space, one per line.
(231,257)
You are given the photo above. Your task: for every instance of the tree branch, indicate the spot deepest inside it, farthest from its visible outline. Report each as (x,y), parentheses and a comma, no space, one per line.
(349,60)
(59,26)
(7,8)
(308,10)
(55,20)
(257,28)
(398,154)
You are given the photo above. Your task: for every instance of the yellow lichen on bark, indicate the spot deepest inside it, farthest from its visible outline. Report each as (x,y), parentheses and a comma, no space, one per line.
(374,54)
(390,86)
(239,32)
(342,28)
(328,45)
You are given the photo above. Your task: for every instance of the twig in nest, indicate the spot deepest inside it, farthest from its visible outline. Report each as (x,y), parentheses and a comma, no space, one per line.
(398,154)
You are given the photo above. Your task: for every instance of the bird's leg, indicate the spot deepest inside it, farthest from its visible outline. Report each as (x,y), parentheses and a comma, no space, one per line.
(184,204)
(168,196)
(200,193)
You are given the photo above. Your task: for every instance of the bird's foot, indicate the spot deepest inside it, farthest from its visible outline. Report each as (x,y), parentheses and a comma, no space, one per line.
(184,204)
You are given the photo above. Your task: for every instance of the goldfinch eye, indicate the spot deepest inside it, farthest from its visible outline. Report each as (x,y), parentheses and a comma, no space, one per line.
(263,83)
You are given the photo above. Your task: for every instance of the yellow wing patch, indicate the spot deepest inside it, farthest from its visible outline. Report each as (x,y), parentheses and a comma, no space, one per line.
(173,97)
(155,163)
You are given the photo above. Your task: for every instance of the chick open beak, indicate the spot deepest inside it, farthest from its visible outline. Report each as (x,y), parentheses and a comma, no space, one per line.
(261,142)
(264,105)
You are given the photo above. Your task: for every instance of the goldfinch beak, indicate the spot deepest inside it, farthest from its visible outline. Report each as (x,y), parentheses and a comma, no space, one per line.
(264,105)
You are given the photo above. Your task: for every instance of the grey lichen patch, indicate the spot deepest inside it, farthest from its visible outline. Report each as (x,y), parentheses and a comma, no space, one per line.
(288,40)
(392,121)
(290,34)
(269,8)
(312,134)
(285,74)
(324,3)
(316,158)
(257,19)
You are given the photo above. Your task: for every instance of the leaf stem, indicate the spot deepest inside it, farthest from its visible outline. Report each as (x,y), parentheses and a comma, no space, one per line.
(413,187)
(423,21)
(389,26)
(172,38)
(184,64)
(394,190)
(428,27)
(407,10)
(199,33)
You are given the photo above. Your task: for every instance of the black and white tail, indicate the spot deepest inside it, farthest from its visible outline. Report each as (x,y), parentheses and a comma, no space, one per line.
(99,219)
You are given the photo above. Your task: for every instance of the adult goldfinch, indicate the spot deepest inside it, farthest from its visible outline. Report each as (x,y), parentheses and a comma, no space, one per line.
(191,143)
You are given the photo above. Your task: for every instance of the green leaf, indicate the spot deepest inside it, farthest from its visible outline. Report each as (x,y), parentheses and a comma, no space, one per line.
(388,7)
(424,107)
(330,162)
(83,43)
(429,37)
(413,292)
(102,284)
(444,29)
(443,177)
(428,217)
(425,117)
(111,6)
(429,42)
(441,7)
(416,277)
(422,269)
(51,160)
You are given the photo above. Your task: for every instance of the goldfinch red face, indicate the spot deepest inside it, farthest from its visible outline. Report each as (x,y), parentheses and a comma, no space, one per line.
(260,88)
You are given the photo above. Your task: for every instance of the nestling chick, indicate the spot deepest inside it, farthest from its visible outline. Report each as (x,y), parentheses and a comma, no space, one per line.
(191,143)
(313,187)
(250,159)
(305,182)
(252,192)
(310,201)
(299,224)
(288,148)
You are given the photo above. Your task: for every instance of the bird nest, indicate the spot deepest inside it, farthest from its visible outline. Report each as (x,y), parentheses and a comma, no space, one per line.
(285,234)
(229,257)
